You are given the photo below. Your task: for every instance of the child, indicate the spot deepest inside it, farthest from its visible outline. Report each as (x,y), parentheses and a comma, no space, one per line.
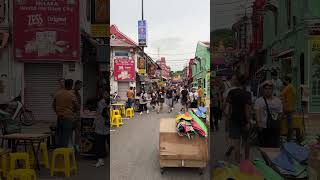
(102,126)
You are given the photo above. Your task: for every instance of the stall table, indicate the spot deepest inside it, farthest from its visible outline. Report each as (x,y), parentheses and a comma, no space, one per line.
(179,151)
(87,134)
(27,139)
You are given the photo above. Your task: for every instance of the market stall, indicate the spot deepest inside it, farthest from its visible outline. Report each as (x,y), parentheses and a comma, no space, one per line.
(183,142)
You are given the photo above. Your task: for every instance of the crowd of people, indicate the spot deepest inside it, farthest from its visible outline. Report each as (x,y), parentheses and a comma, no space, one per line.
(246,116)
(67,105)
(155,98)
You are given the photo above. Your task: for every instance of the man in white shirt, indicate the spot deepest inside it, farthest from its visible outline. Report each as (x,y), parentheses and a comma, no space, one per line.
(277,83)
(193,97)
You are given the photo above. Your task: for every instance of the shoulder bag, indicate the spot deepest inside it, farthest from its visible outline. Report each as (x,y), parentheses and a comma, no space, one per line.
(271,123)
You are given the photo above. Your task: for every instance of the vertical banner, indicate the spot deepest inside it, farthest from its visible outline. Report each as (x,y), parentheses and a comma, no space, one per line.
(142,65)
(101,12)
(124,69)
(46,30)
(314,76)
(142,33)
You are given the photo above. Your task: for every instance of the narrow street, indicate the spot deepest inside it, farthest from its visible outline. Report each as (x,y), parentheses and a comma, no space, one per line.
(135,151)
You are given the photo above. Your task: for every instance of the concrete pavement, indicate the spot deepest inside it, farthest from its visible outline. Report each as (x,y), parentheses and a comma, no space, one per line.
(135,151)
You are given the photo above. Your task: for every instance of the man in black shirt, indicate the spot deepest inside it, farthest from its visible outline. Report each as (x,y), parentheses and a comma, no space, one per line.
(169,95)
(240,105)
(184,99)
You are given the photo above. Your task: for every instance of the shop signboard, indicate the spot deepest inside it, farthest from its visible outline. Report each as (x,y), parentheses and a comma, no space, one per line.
(99,30)
(101,10)
(124,69)
(142,65)
(142,33)
(314,74)
(46,30)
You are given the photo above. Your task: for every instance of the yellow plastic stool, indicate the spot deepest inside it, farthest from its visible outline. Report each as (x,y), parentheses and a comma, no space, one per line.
(22,174)
(4,165)
(123,110)
(116,121)
(116,112)
(14,157)
(44,157)
(111,115)
(130,113)
(70,163)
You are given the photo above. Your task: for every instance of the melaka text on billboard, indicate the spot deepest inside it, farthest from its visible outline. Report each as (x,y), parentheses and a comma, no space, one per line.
(46,30)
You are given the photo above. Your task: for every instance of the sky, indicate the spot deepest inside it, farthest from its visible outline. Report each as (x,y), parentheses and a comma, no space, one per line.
(174,27)
(227,12)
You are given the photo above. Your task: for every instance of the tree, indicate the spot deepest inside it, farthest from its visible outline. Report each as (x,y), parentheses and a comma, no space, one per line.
(226,35)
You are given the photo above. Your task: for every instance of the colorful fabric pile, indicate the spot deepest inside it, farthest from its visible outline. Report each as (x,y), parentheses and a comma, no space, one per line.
(189,125)
(292,160)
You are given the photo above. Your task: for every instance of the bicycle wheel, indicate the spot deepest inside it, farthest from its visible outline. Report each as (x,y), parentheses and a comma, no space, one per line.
(26,118)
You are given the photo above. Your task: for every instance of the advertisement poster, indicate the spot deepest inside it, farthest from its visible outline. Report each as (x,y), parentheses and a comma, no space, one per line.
(314,67)
(101,11)
(46,30)
(142,33)
(142,65)
(124,69)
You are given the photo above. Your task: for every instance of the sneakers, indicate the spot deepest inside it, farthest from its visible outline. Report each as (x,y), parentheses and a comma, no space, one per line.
(147,111)
(141,113)
(99,163)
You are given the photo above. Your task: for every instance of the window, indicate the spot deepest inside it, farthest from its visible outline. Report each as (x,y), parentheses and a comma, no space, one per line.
(288,6)
(121,53)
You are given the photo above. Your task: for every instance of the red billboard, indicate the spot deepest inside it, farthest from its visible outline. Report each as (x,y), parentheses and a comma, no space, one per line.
(46,30)
(124,69)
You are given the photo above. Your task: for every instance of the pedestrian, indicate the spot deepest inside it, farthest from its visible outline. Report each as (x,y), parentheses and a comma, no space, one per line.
(288,95)
(161,98)
(268,114)
(61,87)
(102,131)
(214,122)
(143,102)
(169,96)
(153,102)
(193,98)
(239,101)
(178,93)
(277,83)
(65,105)
(130,96)
(103,102)
(200,96)
(77,122)
(184,99)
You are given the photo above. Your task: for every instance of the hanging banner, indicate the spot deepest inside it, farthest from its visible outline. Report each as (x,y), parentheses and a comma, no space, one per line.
(142,65)
(314,67)
(46,30)
(124,69)
(142,33)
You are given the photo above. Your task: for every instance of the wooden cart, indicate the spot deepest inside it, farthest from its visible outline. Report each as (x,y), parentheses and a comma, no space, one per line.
(179,151)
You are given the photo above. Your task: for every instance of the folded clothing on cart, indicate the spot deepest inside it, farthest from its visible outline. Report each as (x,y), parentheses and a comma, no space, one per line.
(188,126)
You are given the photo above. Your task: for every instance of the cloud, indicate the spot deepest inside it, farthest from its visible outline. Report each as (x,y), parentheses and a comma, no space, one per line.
(169,43)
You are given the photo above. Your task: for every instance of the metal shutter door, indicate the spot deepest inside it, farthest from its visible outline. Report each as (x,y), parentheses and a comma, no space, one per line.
(122,90)
(41,80)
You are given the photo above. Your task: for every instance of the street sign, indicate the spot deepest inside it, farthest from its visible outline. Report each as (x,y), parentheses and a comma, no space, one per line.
(142,33)
(99,30)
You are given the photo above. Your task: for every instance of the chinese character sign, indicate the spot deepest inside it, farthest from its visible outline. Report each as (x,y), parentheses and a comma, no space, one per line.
(46,30)
(142,32)
(124,69)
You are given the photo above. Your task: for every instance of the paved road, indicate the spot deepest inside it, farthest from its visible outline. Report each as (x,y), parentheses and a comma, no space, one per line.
(135,151)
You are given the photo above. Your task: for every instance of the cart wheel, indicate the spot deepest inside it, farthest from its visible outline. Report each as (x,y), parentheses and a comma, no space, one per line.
(162,171)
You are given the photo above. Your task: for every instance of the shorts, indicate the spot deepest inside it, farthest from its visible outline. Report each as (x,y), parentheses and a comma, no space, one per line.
(238,133)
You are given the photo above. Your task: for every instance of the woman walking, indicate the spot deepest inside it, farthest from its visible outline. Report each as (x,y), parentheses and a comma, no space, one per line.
(143,102)
(161,94)
(169,95)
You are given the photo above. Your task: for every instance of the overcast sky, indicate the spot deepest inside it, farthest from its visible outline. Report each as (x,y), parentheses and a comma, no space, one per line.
(173,26)
(227,12)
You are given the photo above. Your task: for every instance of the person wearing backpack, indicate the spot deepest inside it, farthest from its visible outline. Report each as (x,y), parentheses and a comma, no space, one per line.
(268,114)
